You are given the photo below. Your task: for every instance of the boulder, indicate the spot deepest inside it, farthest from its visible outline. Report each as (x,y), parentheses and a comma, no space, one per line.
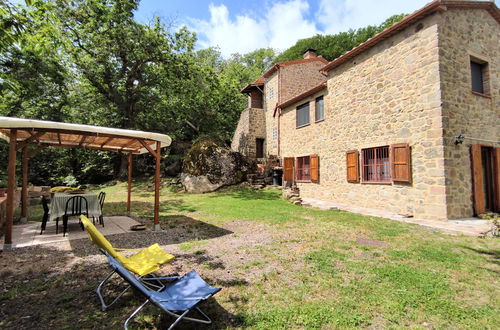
(209,165)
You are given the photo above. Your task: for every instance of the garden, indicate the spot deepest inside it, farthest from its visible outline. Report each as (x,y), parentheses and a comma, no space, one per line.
(279,266)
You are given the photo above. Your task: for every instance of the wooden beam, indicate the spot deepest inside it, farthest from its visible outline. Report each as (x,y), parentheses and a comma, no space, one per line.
(32,138)
(145,145)
(107,141)
(87,147)
(157,187)
(82,140)
(36,150)
(129,187)
(24,191)
(59,137)
(11,189)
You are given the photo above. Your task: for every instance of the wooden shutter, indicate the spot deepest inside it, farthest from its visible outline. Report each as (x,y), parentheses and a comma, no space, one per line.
(314,168)
(496,174)
(401,162)
(477,179)
(288,167)
(352,165)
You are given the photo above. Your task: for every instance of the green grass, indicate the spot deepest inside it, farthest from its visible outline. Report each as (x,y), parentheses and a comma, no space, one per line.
(314,274)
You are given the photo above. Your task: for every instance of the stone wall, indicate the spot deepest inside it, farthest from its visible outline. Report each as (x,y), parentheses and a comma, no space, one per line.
(270,102)
(298,78)
(388,94)
(462,34)
(250,126)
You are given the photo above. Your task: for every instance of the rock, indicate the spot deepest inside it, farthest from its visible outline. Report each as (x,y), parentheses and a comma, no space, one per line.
(173,169)
(209,165)
(297,203)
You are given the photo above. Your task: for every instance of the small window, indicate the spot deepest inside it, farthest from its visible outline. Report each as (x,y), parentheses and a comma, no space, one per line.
(319,111)
(304,168)
(376,165)
(275,134)
(259,148)
(302,116)
(479,76)
(271,92)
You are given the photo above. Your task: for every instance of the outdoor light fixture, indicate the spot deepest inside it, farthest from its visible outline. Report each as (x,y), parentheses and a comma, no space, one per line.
(459,139)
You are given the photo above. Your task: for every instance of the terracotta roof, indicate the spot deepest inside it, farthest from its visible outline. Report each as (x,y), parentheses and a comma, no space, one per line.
(302,95)
(288,63)
(247,88)
(430,8)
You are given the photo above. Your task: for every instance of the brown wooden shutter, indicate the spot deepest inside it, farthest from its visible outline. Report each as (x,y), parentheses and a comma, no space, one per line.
(496,174)
(314,168)
(477,179)
(288,163)
(352,164)
(401,162)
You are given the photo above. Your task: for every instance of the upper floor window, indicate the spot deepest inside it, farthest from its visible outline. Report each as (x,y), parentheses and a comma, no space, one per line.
(270,92)
(302,115)
(479,76)
(319,110)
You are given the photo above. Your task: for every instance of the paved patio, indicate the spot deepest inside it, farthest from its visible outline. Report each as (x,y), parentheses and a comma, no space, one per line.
(28,234)
(466,226)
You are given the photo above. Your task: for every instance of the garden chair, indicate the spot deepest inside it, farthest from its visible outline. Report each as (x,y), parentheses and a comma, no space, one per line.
(142,263)
(101,197)
(177,298)
(76,205)
(46,213)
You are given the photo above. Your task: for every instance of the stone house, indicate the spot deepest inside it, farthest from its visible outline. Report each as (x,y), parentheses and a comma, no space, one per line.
(256,133)
(407,122)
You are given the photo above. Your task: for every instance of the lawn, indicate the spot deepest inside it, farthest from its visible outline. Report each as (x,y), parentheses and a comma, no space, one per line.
(280,266)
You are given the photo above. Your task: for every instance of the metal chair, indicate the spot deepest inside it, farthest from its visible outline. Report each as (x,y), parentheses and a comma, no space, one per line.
(101,198)
(46,212)
(76,205)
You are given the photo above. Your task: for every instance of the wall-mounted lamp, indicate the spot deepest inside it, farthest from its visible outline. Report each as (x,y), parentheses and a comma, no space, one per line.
(459,139)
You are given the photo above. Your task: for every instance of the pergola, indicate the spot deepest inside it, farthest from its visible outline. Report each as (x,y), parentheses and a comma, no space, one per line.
(31,136)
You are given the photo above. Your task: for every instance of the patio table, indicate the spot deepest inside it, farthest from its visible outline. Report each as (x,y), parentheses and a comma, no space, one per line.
(58,204)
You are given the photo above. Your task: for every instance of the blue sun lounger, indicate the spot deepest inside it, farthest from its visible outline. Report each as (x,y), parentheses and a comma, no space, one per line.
(176,298)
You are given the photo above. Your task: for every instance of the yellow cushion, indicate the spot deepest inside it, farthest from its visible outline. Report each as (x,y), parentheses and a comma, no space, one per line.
(144,262)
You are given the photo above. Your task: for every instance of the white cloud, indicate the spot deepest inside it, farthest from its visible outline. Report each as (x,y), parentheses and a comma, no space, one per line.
(279,27)
(280,24)
(340,15)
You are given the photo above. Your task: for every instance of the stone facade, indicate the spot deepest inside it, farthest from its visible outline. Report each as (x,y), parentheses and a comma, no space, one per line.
(389,94)
(250,127)
(462,34)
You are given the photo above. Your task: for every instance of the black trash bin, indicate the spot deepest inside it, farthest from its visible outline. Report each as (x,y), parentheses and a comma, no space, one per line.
(277,174)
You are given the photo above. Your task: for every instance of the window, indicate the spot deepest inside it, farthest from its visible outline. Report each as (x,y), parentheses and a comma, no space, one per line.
(376,165)
(270,92)
(319,111)
(259,148)
(275,134)
(303,168)
(479,76)
(302,116)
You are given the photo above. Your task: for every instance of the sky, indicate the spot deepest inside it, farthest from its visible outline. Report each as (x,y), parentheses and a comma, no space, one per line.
(241,26)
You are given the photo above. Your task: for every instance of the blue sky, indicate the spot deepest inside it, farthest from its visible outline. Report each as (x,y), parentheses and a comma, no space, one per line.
(246,25)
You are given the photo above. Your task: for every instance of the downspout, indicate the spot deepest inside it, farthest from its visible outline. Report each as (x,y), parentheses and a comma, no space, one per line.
(279,129)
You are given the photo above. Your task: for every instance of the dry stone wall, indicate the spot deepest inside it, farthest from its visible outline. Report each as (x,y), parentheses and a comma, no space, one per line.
(250,127)
(386,95)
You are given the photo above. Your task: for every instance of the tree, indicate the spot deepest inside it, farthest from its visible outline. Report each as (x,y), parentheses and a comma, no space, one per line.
(332,46)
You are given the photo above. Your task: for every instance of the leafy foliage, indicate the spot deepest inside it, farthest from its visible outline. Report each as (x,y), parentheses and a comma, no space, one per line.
(332,46)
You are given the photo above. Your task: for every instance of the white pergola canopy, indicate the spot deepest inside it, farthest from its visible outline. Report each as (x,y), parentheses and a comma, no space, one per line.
(25,133)
(50,133)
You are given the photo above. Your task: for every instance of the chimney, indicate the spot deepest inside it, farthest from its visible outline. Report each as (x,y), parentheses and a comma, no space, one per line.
(310,53)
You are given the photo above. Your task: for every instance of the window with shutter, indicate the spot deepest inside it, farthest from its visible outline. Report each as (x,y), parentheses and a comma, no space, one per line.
(352,165)
(314,165)
(302,115)
(376,167)
(496,173)
(401,162)
(288,163)
(303,171)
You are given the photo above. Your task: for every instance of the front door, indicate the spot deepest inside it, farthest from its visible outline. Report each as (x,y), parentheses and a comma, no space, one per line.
(485,177)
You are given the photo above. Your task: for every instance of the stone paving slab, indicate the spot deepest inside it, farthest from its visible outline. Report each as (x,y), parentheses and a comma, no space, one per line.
(28,234)
(466,226)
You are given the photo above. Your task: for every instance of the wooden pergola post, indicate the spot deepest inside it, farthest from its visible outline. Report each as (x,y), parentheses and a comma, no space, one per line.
(24,191)
(129,187)
(11,189)
(157,188)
